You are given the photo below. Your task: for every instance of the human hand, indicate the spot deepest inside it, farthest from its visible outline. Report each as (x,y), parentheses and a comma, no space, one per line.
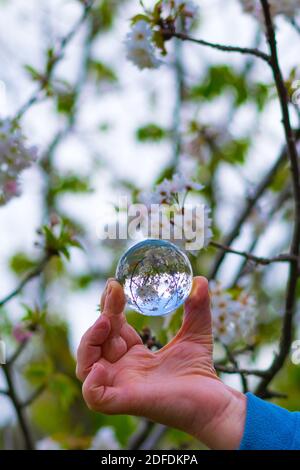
(176,386)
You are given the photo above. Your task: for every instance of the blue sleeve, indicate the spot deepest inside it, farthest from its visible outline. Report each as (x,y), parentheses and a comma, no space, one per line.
(269,427)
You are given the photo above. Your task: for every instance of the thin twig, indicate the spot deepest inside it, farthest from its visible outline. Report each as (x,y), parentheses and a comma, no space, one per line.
(219,47)
(235,364)
(268,394)
(35,394)
(295,25)
(251,202)
(17,352)
(284,196)
(33,274)
(141,434)
(237,370)
(58,55)
(21,415)
(152,440)
(283,258)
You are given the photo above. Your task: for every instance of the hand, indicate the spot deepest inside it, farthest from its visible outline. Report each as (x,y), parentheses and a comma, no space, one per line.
(176,386)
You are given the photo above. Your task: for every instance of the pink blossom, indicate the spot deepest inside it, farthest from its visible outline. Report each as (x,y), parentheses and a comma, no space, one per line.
(21,334)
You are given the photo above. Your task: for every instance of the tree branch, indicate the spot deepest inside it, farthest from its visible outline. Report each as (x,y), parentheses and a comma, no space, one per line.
(237,370)
(151,442)
(220,47)
(246,211)
(284,196)
(295,25)
(22,420)
(141,434)
(291,296)
(35,394)
(235,364)
(268,394)
(284,258)
(17,352)
(33,274)
(38,95)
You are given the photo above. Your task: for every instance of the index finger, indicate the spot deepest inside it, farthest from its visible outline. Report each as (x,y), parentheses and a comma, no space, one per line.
(113,306)
(89,350)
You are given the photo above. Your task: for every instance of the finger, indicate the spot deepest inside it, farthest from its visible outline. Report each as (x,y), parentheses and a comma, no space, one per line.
(114,304)
(115,346)
(120,325)
(89,350)
(130,336)
(197,314)
(100,395)
(103,296)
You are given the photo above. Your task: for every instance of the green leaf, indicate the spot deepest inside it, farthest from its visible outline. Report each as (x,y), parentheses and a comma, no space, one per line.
(34,316)
(139,17)
(159,41)
(58,240)
(39,373)
(5,323)
(102,72)
(34,73)
(70,183)
(64,389)
(21,263)
(103,16)
(151,133)
(280,179)
(260,94)
(236,151)
(156,14)
(220,78)
(65,102)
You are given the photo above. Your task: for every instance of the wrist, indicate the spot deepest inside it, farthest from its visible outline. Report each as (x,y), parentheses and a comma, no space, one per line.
(220,422)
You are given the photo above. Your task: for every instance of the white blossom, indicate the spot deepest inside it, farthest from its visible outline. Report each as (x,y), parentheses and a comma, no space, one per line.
(233,318)
(167,191)
(105,439)
(15,156)
(139,46)
(47,443)
(168,216)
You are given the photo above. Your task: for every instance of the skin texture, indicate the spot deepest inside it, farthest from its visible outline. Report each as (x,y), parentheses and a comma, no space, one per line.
(176,386)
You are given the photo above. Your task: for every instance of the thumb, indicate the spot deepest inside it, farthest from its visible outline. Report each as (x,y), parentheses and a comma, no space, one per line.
(197,314)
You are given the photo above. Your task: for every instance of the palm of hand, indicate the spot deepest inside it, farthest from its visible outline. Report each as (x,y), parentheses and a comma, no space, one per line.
(122,376)
(176,386)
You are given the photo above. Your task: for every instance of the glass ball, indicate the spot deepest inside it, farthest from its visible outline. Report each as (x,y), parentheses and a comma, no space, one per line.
(156,275)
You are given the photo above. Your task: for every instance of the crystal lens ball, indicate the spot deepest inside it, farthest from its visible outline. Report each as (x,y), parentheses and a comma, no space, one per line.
(156,276)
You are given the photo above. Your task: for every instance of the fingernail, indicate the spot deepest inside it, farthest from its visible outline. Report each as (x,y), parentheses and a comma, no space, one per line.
(104,294)
(108,294)
(194,288)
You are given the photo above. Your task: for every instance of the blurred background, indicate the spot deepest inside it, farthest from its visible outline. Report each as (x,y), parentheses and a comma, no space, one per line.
(104,129)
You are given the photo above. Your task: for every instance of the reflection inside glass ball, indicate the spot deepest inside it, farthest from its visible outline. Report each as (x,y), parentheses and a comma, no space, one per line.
(156,275)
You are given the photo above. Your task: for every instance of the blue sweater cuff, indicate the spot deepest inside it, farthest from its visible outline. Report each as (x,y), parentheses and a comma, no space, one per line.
(269,427)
